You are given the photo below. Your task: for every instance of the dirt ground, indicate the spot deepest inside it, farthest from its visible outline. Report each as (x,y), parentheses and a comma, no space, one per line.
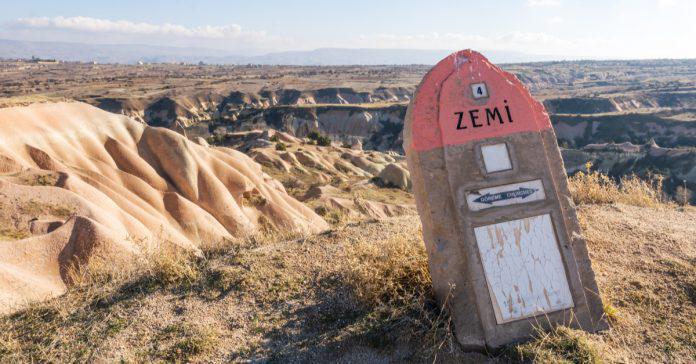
(358,293)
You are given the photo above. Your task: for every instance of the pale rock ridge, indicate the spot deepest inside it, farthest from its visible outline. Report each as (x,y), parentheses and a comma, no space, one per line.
(76,181)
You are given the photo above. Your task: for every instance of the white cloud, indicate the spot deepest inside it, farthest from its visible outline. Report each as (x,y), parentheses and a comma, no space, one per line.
(82,29)
(528,42)
(555,20)
(543,2)
(86,24)
(542,44)
(667,3)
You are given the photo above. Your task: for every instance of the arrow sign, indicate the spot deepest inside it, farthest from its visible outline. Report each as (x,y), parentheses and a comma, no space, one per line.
(490,198)
(504,195)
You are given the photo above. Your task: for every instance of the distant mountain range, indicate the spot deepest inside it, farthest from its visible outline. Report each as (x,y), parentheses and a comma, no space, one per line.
(133,53)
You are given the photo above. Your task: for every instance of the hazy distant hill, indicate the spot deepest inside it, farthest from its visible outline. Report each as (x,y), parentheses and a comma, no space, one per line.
(107,53)
(336,56)
(132,53)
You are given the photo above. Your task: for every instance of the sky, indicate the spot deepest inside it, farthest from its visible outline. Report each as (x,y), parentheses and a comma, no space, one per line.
(565,29)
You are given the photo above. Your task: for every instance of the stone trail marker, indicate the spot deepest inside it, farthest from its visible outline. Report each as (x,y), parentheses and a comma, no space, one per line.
(500,228)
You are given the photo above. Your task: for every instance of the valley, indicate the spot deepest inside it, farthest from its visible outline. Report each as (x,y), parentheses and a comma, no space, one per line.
(610,113)
(176,212)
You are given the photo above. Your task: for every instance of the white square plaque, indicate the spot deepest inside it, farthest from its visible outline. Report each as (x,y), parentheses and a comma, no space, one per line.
(496,157)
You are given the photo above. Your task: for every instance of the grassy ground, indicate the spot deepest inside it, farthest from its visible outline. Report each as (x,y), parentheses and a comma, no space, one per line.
(25,100)
(360,293)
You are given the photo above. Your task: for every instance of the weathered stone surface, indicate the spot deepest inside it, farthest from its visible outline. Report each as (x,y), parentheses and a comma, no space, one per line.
(503,240)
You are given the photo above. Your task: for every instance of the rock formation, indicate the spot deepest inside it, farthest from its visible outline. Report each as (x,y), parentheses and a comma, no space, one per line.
(76,181)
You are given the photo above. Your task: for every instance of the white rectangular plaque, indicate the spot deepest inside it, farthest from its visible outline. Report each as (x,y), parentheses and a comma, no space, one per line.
(505,195)
(523,268)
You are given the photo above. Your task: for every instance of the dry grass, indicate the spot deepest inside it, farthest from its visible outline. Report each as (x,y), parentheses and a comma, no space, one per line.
(560,345)
(36,178)
(645,262)
(99,304)
(597,188)
(360,292)
(391,279)
(393,270)
(253,199)
(35,208)
(183,342)
(13,234)
(332,216)
(25,100)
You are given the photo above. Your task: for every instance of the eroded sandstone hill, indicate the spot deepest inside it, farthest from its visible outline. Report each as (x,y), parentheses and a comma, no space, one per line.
(342,183)
(76,181)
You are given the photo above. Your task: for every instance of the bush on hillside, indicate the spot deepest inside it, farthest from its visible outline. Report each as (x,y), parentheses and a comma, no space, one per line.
(593,187)
(321,140)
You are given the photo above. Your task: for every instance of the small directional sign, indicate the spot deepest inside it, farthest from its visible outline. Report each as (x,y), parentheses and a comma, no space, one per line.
(518,193)
(506,195)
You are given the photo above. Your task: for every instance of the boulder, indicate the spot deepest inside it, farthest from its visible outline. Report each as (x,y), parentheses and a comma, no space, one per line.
(366,165)
(396,176)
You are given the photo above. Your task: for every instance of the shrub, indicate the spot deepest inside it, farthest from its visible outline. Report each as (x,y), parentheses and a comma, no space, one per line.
(178,268)
(682,194)
(280,146)
(392,281)
(274,138)
(216,139)
(321,140)
(388,272)
(593,187)
(332,216)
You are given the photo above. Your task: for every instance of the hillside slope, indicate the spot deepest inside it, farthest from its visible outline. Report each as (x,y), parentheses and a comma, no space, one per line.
(360,293)
(76,181)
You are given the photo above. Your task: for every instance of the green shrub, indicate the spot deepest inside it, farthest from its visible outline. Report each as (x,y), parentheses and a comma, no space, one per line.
(323,141)
(280,146)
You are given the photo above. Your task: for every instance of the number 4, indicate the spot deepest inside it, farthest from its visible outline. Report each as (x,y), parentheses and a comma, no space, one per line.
(479,90)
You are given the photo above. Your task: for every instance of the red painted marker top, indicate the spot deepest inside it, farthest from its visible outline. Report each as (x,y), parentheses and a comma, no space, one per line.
(446,91)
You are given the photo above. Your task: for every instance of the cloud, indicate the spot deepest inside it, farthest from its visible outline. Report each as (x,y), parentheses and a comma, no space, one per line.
(543,3)
(86,24)
(529,42)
